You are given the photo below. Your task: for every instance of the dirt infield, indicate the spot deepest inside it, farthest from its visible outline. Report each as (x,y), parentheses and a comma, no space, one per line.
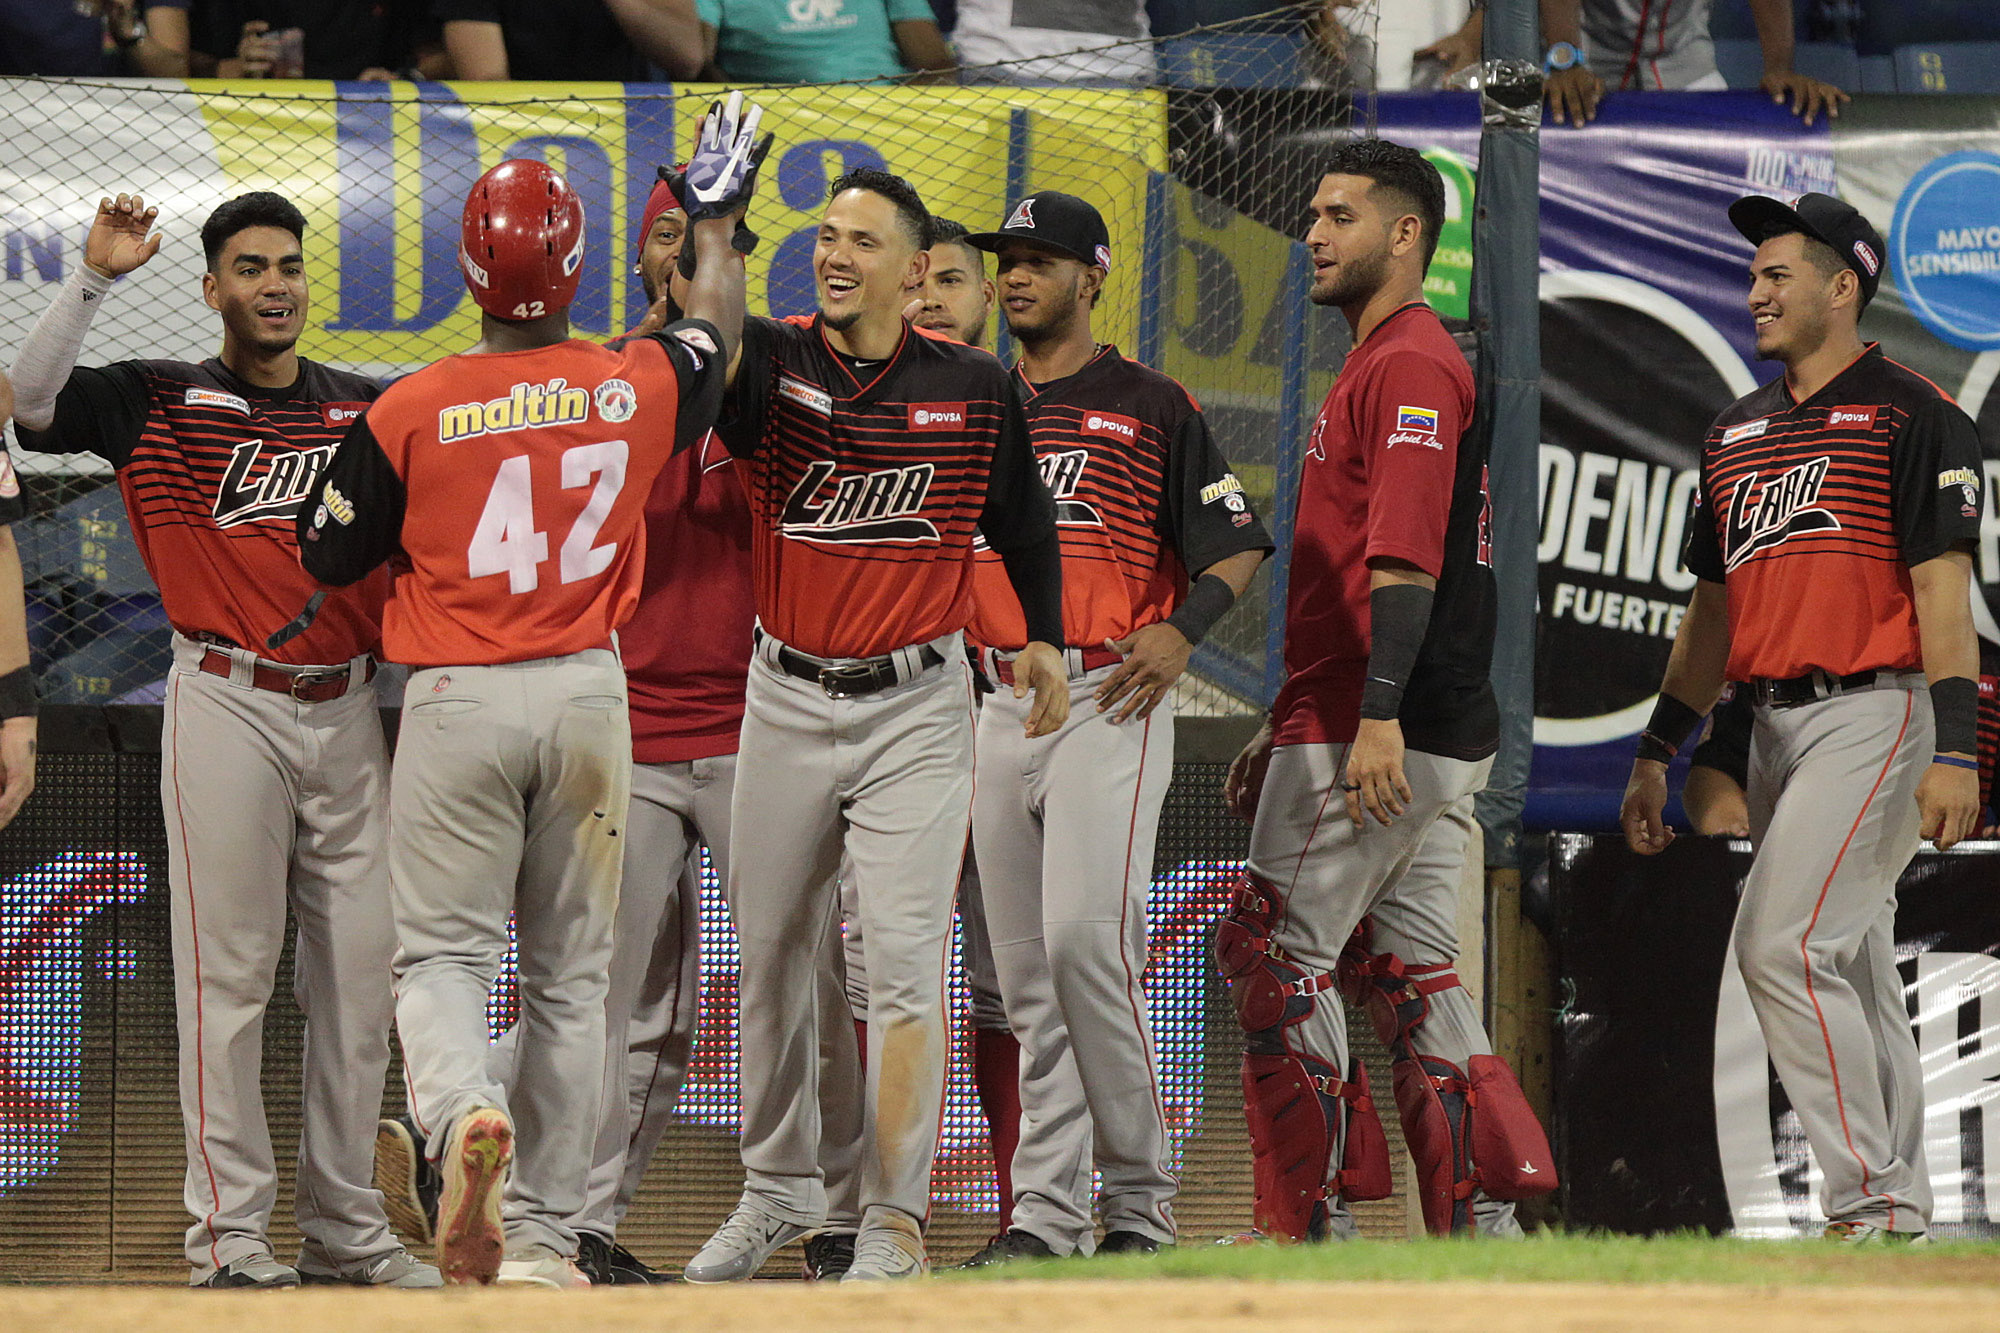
(1019,1307)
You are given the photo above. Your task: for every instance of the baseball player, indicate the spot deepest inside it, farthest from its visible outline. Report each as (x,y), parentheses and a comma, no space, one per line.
(1837,509)
(273,766)
(1360,784)
(18,704)
(871,453)
(1064,825)
(509,484)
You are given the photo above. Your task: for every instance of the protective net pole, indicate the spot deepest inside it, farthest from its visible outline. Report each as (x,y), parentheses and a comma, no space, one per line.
(1505,307)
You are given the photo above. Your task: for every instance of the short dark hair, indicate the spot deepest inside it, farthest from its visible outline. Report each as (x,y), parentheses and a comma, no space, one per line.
(944,231)
(910,210)
(259,208)
(1826,260)
(1402,170)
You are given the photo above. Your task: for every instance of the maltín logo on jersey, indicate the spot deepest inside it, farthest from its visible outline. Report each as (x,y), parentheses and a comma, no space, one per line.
(1062,473)
(555,403)
(1863,417)
(1415,425)
(287,479)
(1783,508)
(1111,426)
(861,507)
(937,416)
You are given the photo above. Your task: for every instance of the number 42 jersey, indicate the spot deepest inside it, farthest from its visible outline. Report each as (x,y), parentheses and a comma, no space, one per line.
(508,489)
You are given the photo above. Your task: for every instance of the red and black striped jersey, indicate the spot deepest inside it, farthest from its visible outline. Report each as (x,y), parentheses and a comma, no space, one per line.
(867,485)
(214,472)
(1811,514)
(1143,498)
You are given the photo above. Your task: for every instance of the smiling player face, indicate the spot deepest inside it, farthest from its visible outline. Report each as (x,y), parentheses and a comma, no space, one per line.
(259,287)
(864,259)
(1791,301)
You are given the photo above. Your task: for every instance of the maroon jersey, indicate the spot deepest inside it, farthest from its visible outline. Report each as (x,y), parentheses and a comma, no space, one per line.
(1989,725)
(868,482)
(1143,499)
(687,646)
(1393,473)
(214,472)
(1812,513)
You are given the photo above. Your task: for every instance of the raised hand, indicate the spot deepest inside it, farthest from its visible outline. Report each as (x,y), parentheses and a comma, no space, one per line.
(119,240)
(722,174)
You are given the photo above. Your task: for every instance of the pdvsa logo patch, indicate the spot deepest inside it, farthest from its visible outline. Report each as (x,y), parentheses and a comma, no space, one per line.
(343,415)
(1864,417)
(1111,427)
(616,400)
(937,416)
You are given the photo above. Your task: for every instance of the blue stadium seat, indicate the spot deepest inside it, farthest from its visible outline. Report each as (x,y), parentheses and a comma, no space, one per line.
(1742,63)
(1888,24)
(1948,67)
(1234,60)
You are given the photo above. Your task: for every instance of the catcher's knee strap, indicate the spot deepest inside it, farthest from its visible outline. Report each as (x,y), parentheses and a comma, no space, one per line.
(1269,989)
(1395,994)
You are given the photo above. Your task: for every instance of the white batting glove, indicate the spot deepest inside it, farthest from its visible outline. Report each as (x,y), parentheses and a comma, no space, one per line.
(722,174)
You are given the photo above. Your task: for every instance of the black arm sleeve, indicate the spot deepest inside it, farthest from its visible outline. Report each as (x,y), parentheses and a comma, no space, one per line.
(1204,513)
(1019,521)
(101,410)
(741,424)
(1703,552)
(355,522)
(1935,481)
(695,348)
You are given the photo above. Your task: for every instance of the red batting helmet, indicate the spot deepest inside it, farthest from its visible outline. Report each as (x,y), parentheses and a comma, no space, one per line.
(521,240)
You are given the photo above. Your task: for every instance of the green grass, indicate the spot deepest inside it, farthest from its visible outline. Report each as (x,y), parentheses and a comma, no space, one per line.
(1548,1257)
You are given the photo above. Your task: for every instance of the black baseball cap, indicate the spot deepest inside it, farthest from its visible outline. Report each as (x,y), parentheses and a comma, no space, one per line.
(1059,221)
(1828,220)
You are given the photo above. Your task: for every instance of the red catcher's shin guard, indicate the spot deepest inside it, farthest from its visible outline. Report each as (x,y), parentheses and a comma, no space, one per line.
(1291,1142)
(1508,1145)
(996,1072)
(1433,1096)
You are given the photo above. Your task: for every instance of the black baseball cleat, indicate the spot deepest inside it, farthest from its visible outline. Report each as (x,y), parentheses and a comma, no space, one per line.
(829,1255)
(1131,1242)
(259,1272)
(409,1183)
(608,1264)
(1008,1246)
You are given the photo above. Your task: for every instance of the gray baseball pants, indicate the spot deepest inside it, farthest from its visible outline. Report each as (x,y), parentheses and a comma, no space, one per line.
(268,802)
(1834,819)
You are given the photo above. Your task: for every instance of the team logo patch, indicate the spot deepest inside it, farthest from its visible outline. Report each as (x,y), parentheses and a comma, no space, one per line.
(441,684)
(1866,254)
(277,492)
(1964,478)
(215,398)
(1749,430)
(1215,490)
(10,480)
(1783,508)
(574,259)
(1023,216)
(1104,257)
(860,507)
(1415,425)
(343,415)
(1062,473)
(616,400)
(698,339)
(805,395)
(1111,426)
(937,416)
(1851,416)
(335,506)
(555,403)
(480,277)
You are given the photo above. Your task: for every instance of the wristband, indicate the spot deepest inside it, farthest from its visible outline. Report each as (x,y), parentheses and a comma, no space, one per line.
(17,694)
(1955,704)
(1204,605)
(1668,728)
(1954,761)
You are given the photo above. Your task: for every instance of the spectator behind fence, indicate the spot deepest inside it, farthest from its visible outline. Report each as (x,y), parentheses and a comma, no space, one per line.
(1404,45)
(1630,44)
(316,39)
(93,39)
(580,40)
(822,41)
(1106,42)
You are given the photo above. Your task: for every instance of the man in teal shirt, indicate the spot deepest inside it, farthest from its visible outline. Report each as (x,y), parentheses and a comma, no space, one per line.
(822,41)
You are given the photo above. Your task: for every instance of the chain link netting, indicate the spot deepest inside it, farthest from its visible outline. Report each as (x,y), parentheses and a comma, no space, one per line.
(1202,175)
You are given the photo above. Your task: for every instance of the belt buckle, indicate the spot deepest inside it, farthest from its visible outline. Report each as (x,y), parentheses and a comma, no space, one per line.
(833,680)
(310,680)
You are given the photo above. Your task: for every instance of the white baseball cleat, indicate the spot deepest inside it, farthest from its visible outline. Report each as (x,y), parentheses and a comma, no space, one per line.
(740,1245)
(884,1254)
(540,1266)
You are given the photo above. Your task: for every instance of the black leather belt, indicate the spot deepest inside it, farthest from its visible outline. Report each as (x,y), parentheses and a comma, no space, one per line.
(849,679)
(1809,688)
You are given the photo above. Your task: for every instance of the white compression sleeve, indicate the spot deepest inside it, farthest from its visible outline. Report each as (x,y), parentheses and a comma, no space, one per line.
(43,364)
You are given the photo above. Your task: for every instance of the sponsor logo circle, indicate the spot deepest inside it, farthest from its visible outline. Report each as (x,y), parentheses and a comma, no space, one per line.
(1946,247)
(616,400)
